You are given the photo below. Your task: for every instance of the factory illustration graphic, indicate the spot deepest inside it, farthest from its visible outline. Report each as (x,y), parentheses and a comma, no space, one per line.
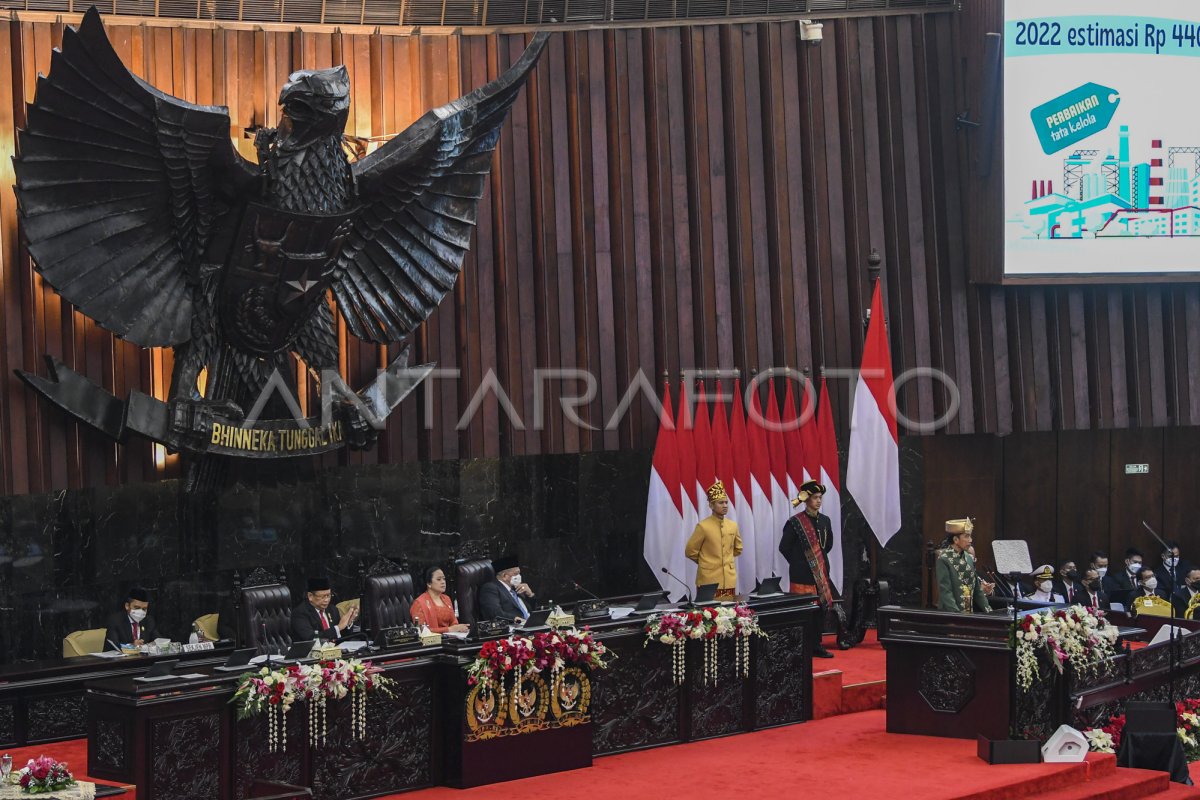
(1105,194)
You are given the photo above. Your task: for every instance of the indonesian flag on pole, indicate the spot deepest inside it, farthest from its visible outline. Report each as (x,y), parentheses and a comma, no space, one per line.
(665,535)
(808,433)
(740,492)
(766,538)
(831,477)
(722,448)
(873,465)
(780,503)
(685,447)
(706,468)
(792,443)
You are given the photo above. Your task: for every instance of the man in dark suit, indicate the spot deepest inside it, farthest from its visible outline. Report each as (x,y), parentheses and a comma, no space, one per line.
(1147,586)
(1091,595)
(1183,598)
(1066,583)
(507,597)
(1120,586)
(315,619)
(1173,569)
(133,625)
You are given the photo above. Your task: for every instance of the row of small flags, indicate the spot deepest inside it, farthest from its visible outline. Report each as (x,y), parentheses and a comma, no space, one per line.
(762,467)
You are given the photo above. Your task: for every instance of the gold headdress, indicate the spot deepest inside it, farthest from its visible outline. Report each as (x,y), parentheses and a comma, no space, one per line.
(717,492)
(956,526)
(807,490)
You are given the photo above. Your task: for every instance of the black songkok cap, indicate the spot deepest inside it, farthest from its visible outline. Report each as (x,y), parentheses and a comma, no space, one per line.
(138,593)
(507,561)
(319,584)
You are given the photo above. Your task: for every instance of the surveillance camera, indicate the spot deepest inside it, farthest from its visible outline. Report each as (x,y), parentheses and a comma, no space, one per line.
(811,32)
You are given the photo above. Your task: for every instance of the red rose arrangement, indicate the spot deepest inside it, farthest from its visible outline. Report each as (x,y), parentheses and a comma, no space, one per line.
(43,775)
(549,651)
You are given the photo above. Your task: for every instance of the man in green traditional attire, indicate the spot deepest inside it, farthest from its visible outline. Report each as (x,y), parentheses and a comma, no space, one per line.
(959,587)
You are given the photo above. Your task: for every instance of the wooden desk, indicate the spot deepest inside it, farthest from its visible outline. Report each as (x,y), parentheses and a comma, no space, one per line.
(181,739)
(951,675)
(43,701)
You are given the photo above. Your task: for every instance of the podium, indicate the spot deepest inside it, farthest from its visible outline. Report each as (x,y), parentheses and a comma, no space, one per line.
(951,675)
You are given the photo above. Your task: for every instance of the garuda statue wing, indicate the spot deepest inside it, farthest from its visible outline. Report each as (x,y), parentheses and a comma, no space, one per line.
(118,186)
(419,194)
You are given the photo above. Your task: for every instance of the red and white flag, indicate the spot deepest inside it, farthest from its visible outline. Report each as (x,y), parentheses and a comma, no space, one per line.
(685,446)
(831,477)
(740,492)
(723,448)
(780,502)
(766,538)
(706,467)
(808,433)
(793,444)
(873,465)
(665,535)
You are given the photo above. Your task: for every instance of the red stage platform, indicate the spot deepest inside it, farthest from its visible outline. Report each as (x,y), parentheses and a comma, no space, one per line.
(843,753)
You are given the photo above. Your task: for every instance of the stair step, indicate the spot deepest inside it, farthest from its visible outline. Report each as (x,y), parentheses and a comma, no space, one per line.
(1125,784)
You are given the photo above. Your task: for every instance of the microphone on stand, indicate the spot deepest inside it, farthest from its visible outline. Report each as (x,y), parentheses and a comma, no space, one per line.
(687,590)
(579,586)
(262,630)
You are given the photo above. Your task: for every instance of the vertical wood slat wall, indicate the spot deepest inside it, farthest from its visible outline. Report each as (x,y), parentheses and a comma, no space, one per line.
(662,199)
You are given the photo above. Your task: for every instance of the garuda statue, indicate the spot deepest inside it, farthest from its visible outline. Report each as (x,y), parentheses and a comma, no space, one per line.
(138,209)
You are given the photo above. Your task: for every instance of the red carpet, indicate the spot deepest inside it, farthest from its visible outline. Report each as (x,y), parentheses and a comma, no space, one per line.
(846,757)
(863,663)
(851,681)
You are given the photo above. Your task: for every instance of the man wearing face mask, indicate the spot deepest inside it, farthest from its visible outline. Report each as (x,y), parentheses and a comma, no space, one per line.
(1173,570)
(1121,586)
(1191,588)
(1043,583)
(1147,585)
(1091,594)
(133,625)
(507,597)
(1066,584)
(1099,562)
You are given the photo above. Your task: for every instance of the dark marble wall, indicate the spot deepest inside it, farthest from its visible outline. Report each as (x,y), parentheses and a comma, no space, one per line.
(66,558)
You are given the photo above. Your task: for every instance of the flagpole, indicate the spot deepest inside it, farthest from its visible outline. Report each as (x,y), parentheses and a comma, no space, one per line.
(874,263)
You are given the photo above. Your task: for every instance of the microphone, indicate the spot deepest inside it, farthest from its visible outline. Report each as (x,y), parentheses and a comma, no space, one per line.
(262,629)
(577,585)
(687,590)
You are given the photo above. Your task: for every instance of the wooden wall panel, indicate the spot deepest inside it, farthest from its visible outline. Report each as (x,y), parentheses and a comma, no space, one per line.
(663,199)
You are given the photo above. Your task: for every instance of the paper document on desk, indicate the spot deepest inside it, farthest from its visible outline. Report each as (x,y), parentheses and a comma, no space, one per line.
(456,634)
(108,654)
(353,647)
(619,612)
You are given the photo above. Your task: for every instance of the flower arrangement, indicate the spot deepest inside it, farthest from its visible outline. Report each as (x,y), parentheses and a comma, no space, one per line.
(43,775)
(276,691)
(549,651)
(546,651)
(708,624)
(1107,739)
(1078,636)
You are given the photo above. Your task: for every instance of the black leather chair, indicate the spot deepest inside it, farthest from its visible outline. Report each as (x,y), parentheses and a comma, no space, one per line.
(386,601)
(469,575)
(267,617)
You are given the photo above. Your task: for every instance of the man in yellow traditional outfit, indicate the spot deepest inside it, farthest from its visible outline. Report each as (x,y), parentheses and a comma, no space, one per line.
(714,545)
